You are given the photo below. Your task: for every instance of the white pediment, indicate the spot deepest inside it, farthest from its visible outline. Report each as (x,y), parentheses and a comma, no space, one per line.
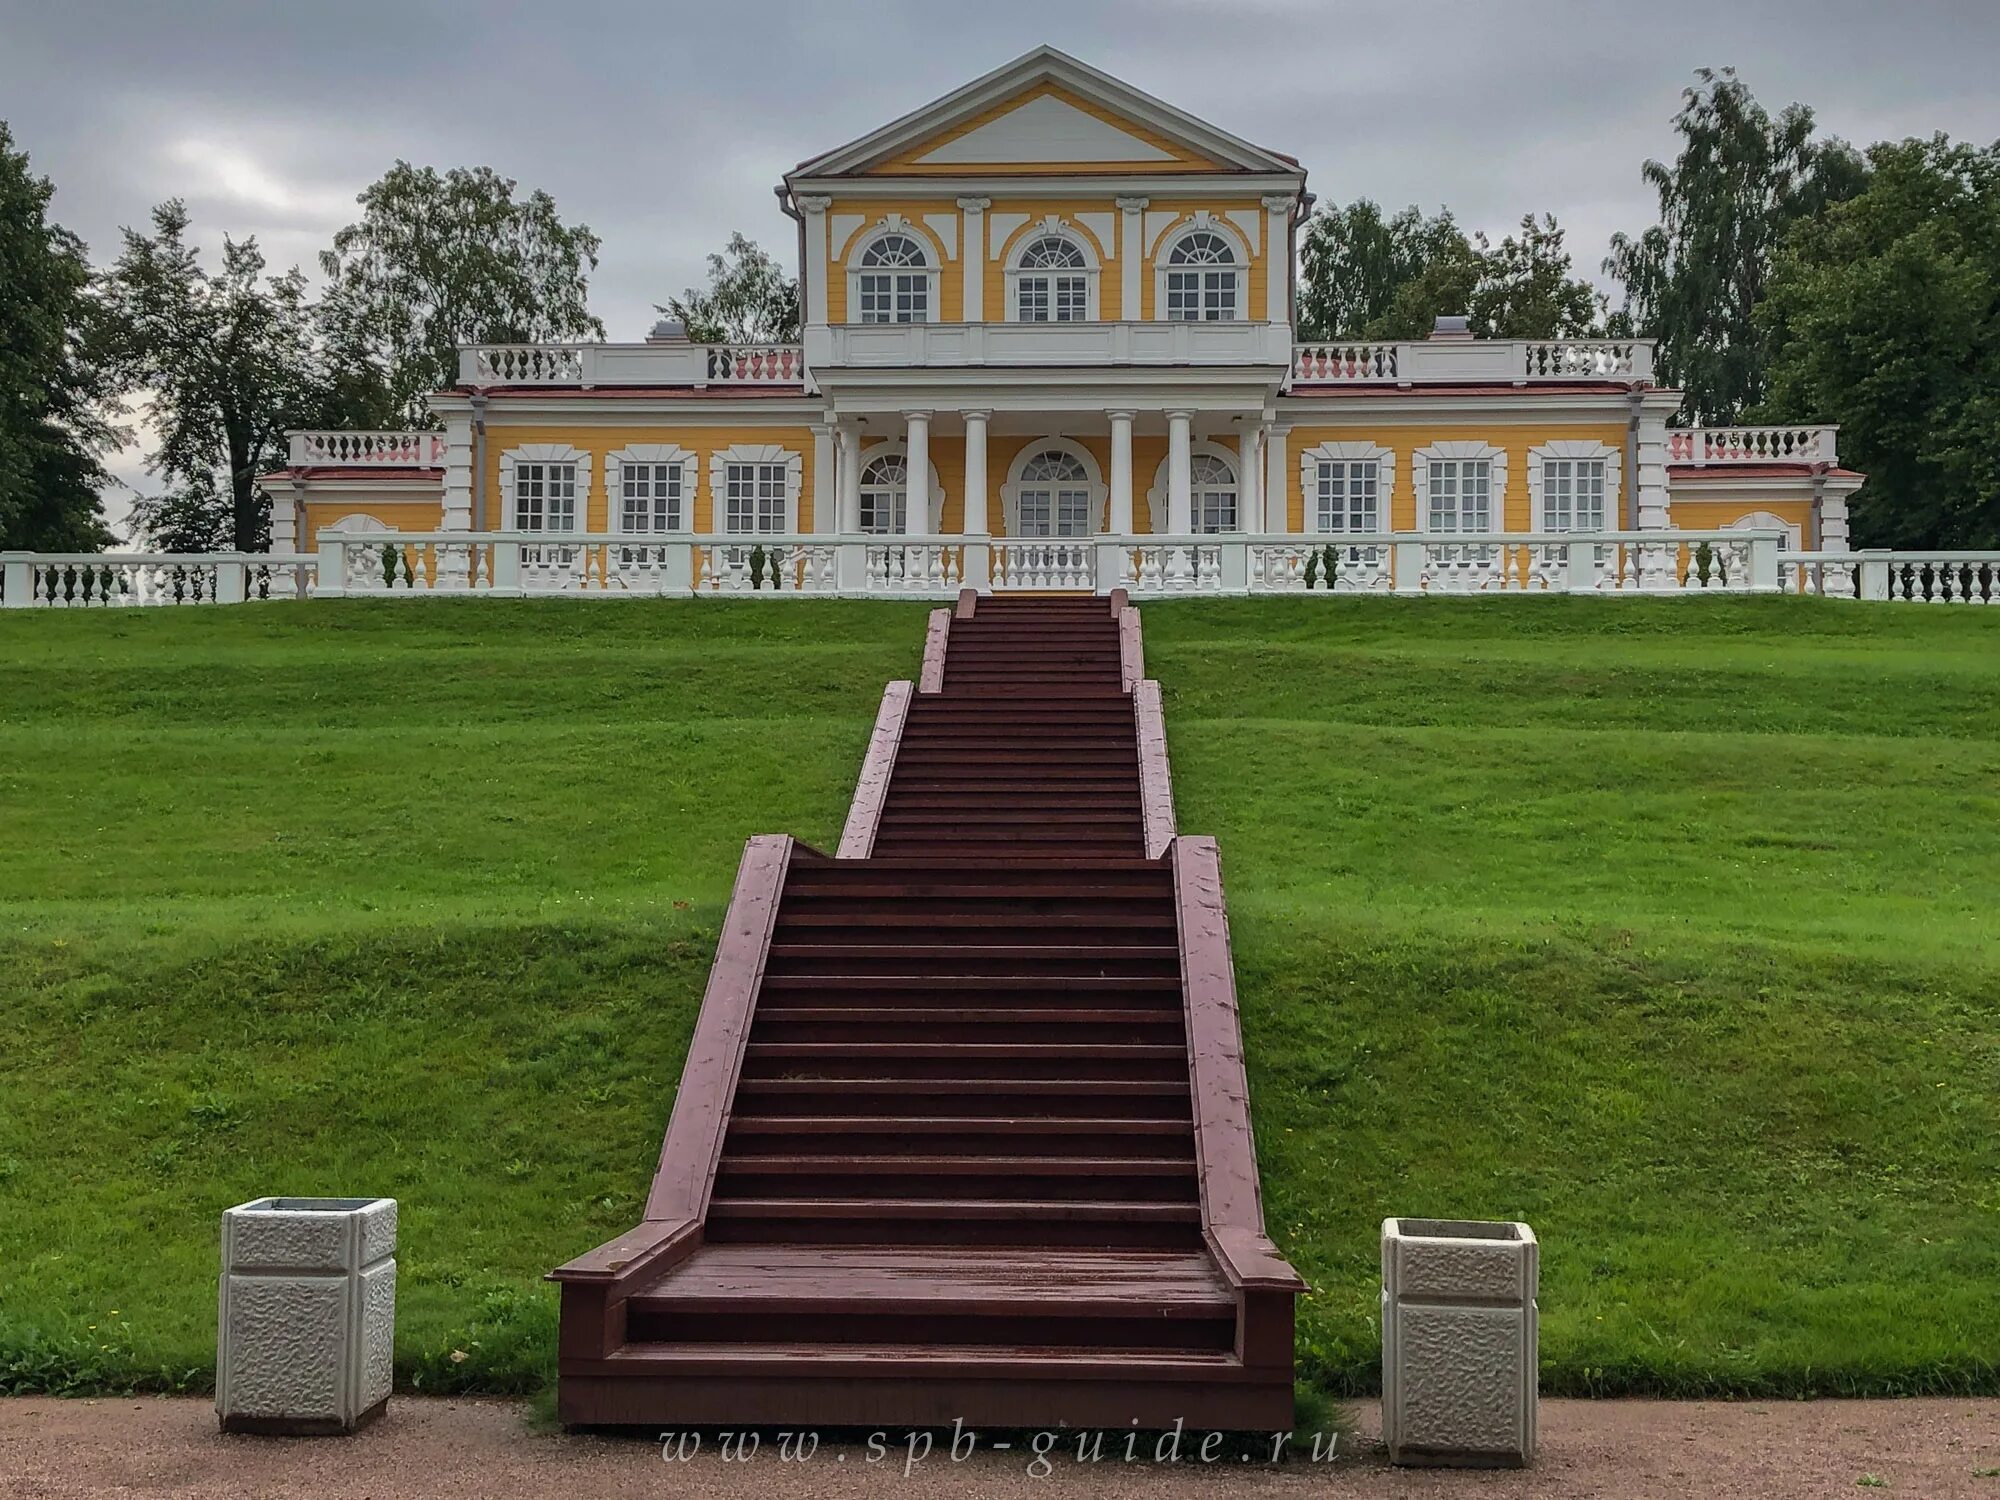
(1044,129)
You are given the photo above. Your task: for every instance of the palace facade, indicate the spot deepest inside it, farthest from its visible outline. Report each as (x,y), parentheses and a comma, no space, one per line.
(1051,306)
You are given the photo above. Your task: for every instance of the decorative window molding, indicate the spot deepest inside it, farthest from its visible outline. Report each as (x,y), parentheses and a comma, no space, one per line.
(1384,460)
(358,520)
(648,453)
(1052,278)
(1156,497)
(1572,451)
(1763,520)
(793,480)
(1190,270)
(900,449)
(531,455)
(1458,453)
(892,274)
(1093,482)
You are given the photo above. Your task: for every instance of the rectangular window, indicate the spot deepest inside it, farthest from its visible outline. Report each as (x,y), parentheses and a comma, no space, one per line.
(1461,494)
(754,498)
(650,498)
(895,297)
(1349,495)
(1573,494)
(1201,296)
(545,497)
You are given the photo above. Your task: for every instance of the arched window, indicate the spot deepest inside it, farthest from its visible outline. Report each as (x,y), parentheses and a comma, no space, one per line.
(1055,495)
(1053,284)
(894,283)
(885,495)
(1212,496)
(1204,283)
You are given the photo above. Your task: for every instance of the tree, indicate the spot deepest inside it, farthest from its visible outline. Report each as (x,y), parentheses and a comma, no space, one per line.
(750,299)
(52,388)
(1693,281)
(1365,277)
(229,363)
(443,259)
(1883,315)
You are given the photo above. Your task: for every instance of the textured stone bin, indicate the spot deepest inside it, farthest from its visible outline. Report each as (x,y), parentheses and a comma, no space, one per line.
(308,1314)
(1459,1341)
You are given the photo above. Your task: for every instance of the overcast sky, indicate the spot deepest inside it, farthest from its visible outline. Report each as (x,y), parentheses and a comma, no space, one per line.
(665,125)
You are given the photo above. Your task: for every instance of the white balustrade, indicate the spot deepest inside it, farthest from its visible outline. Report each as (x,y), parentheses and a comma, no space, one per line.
(1583,359)
(666,364)
(1500,361)
(1328,362)
(368,450)
(129,580)
(1751,445)
(1039,564)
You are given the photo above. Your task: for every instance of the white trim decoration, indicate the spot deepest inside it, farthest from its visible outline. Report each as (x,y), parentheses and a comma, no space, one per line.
(647,453)
(1202,222)
(897,448)
(1010,491)
(546,453)
(1054,228)
(753,453)
(1384,460)
(357,520)
(1420,478)
(1763,520)
(1573,448)
(918,235)
(1156,495)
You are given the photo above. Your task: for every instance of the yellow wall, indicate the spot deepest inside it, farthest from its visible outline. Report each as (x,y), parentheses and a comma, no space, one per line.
(1713,515)
(1065,209)
(600,441)
(399,515)
(1184,212)
(1405,440)
(951,270)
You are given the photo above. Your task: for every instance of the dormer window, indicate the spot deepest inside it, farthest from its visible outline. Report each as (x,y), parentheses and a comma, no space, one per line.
(1203,279)
(893,284)
(1052,282)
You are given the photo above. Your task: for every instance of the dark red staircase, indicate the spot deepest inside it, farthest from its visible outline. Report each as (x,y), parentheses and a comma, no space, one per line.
(952,1117)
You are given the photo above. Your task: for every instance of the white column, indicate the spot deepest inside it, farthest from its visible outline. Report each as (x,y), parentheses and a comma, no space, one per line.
(1249,480)
(850,478)
(1180,473)
(817,270)
(287,506)
(1278,481)
(917,517)
(1278,257)
(1833,533)
(972,256)
(1121,474)
(1131,252)
(826,481)
(457,473)
(1652,467)
(976,522)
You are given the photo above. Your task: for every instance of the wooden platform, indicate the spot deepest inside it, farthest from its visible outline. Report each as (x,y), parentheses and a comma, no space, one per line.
(962,1132)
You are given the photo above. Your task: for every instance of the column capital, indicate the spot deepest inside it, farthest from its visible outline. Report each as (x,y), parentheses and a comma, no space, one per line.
(1122,416)
(917,414)
(1132,205)
(975,205)
(821,429)
(976,414)
(813,203)
(1177,415)
(1278,203)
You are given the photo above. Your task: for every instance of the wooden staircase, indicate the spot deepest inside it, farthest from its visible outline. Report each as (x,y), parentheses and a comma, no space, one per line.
(958,1137)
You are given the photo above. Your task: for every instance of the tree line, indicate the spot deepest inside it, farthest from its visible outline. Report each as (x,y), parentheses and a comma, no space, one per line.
(1789,278)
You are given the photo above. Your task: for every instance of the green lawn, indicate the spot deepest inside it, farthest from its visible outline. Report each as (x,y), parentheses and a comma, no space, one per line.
(1668,927)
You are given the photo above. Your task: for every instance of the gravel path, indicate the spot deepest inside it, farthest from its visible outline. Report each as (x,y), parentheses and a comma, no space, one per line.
(1620,1450)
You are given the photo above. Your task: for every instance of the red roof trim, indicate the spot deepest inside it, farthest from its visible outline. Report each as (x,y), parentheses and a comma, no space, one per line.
(335,471)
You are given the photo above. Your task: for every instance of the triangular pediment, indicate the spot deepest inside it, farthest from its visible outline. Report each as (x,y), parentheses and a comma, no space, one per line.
(1045,113)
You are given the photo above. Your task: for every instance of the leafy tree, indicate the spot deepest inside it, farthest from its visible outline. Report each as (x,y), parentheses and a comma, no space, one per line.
(1368,277)
(1883,315)
(52,389)
(229,362)
(749,300)
(1693,281)
(443,259)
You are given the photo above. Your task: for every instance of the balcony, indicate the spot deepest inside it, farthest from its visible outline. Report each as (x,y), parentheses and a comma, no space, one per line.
(367,450)
(662,363)
(1713,447)
(1470,361)
(953,346)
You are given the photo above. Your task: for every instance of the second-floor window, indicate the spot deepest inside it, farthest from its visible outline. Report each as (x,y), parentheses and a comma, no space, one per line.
(754,498)
(651,498)
(1053,285)
(545,497)
(885,495)
(1202,281)
(1572,494)
(1348,496)
(895,281)
(1461,494)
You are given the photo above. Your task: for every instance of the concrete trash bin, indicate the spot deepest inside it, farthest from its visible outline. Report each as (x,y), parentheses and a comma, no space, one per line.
(306,1329)
(1459,1376)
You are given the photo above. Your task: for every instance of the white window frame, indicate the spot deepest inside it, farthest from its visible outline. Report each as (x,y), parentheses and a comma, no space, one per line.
(1384,460)
(1573,451)
(1163,254)
(1156,495)
(1763,520)
(655,454)
(753,453)
(894,224)
(900,449)
(1010,491)
(547,453)
(1496,495)
(1053,228)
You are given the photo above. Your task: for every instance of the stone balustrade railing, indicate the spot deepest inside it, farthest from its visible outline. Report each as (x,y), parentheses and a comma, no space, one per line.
(1751,445)
(1506,361)
(665,364)
(113,580)
(368,450)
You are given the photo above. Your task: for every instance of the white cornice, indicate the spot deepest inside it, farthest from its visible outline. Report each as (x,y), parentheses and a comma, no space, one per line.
(1001,186)
(1522,405)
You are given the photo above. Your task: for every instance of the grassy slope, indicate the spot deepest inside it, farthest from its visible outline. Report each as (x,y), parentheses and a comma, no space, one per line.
(1667,927)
